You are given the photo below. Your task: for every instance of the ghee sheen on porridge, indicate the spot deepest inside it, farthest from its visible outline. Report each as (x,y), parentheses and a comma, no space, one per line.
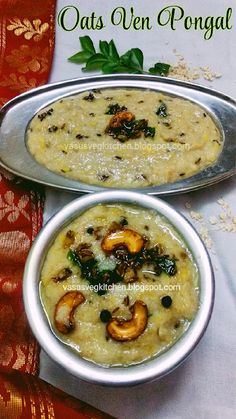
(124,138)
(119,285)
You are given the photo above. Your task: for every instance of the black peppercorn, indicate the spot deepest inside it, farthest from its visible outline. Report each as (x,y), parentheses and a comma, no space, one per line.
(53,128)
(166,301)
(103,178)
(123,221)
(105,316)
(90,230)
(90,97)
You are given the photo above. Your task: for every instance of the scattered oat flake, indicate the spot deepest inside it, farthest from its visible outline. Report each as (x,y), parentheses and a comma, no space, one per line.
(204,233)
(201,227)
(226,221)
(181,70)
(222,203)
(188,205)
(213,220)
(196,215)
(208,74)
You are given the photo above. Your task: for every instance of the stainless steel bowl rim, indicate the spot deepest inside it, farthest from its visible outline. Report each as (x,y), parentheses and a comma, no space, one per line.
(59,352)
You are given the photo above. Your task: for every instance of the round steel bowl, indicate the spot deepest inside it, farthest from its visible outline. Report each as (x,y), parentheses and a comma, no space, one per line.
(61,353)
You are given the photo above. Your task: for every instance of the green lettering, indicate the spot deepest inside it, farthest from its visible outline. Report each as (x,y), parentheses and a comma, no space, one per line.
(209,26)
(219,23)
(93,20)
(119,17)
(62,16)
(100,25)
(171,15)
(146,23)
(188,22)
(198,23)
(141,23)
(136,23)
(84,23)
(228,17)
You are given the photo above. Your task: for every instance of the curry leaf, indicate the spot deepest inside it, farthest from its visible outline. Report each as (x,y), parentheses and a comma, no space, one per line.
(108,60)
(110,67)
(104,48)
(136,58)
(113,51)
(95,62)
(74,258)
(80,57)
(87,44)
(167,265)
(160,68)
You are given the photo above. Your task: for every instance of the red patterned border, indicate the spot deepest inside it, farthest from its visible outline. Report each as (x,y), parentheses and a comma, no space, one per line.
(26,51)
(26,45)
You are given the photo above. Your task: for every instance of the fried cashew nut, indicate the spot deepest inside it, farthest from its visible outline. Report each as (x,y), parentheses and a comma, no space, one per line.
(120,117)
(62,275)
(126,330)
(69,239)
(65,309)
(132,240)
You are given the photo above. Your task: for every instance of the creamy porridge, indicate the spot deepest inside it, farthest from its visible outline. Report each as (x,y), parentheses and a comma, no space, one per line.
(119,285)
(124,138)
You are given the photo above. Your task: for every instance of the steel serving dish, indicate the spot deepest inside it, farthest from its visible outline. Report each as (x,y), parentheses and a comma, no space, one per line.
(16,115)
(59,352)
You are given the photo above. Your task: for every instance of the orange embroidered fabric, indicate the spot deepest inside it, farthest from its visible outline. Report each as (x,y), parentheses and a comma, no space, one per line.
(20,220)
(23,396)
(26,46)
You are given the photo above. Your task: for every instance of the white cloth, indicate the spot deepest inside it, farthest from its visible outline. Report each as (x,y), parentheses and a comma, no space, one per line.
(205,385)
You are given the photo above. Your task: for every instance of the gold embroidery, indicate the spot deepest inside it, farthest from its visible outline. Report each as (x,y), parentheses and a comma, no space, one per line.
(6,354)
(11,401)
(21,358)
(32,396)
(49,404)
(21,84)
(27,59)
(15,246)
(2,41)
(34,30)
(8,287)
(30,364)
(12,209)
(34,388)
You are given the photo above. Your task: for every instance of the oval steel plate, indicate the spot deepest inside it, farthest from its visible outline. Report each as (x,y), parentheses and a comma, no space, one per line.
(16,114)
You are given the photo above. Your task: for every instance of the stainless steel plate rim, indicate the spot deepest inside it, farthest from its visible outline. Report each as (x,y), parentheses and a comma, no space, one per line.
(16,114)
(116,376)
